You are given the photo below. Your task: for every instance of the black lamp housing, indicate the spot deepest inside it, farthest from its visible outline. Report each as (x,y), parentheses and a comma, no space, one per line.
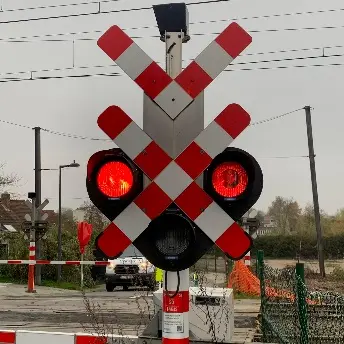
(238,206)
(172,18)
(172,242)
(111,207)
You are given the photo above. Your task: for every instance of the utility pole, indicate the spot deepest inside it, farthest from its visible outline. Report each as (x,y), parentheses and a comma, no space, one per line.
(38,191)
(59,249)
(32,245)
(315,191)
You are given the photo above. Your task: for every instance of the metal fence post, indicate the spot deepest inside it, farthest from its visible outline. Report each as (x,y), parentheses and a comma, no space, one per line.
(260,273)
(302,302)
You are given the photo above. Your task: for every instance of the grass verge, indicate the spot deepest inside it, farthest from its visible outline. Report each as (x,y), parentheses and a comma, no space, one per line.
(4,279)
(51,284)
(61,285)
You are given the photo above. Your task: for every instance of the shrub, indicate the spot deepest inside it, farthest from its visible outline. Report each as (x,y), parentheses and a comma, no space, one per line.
(18,249)
(288,246)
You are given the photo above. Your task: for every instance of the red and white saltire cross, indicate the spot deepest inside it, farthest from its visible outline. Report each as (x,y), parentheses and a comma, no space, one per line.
(174,181)
(173,96)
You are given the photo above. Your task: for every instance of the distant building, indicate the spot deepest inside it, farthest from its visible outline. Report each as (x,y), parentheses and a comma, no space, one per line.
(79,214)
(267,227)
(12,213)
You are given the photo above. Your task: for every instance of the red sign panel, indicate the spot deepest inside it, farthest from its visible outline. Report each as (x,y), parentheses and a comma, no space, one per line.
(84,235)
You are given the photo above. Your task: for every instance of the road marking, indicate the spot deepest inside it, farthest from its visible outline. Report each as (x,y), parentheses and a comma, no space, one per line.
(139,296)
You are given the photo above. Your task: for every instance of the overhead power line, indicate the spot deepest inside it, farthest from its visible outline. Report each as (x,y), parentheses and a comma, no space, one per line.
(191,23)
(4,10)
(99,11)
(74,136)
(275,117)
(118,74)
(29,39)
(7,77)
(283,157)
(56,6)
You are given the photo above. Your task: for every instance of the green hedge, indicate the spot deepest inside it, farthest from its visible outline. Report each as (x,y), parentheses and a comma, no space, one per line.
(70,251)
(288,246)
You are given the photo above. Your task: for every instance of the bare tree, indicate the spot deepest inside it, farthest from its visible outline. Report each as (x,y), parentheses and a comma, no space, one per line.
(7,180)
(286,212)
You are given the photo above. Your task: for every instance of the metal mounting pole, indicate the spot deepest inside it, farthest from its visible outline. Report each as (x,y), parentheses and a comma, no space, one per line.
(32,250)
(174,136)
(174,42)
(38,191)
(315,191)
(59,267)
(175,321)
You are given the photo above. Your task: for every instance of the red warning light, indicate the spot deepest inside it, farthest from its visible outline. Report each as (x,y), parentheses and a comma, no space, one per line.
(229,179)
(115,179)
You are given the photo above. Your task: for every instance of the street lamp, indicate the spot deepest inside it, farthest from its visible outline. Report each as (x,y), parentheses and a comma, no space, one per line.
(73,164)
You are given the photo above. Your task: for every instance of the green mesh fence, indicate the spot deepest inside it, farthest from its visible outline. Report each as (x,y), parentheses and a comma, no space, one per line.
(291,313)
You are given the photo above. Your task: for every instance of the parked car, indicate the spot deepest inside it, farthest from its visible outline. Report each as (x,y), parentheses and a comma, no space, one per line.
(130,269)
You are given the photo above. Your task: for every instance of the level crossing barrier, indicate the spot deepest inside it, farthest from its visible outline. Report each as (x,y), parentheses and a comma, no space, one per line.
(40,337)
(53,262)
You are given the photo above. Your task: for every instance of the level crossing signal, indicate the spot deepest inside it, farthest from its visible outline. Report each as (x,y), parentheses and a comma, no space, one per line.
(174,220)
(113,181)
(234,180)
(171,240)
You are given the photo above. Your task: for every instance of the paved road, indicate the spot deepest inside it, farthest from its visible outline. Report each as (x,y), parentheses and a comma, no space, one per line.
(119,312)
(52,309)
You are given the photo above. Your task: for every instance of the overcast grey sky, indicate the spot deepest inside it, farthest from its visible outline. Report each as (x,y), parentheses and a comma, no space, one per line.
(73,105)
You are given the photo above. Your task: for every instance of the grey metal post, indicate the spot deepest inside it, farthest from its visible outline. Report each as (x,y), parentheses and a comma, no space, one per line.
(59,267)
(82,272)
(174,135)
(32,245)
(315,191)
(38,191)
(59,228)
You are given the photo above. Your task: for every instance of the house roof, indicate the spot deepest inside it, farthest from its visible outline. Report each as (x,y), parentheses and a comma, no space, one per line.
(7,216)
(12,211)
(268,218)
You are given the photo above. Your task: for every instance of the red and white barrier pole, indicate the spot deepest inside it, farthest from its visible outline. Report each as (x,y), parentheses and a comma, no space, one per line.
(175,321)
(54,262)
(247,258)
(32,260)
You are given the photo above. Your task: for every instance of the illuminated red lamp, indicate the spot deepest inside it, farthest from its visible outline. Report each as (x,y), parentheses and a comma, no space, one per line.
(115,179)
(229,179)
(234,180)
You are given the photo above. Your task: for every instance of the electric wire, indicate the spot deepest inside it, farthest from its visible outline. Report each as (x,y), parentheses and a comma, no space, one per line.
(275,15)
(184,60)
(56,6)
(24,39)
(283,157)
(9,77)
(74,136)
(121,75)
(276,117)
(288,67)
(98,11)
